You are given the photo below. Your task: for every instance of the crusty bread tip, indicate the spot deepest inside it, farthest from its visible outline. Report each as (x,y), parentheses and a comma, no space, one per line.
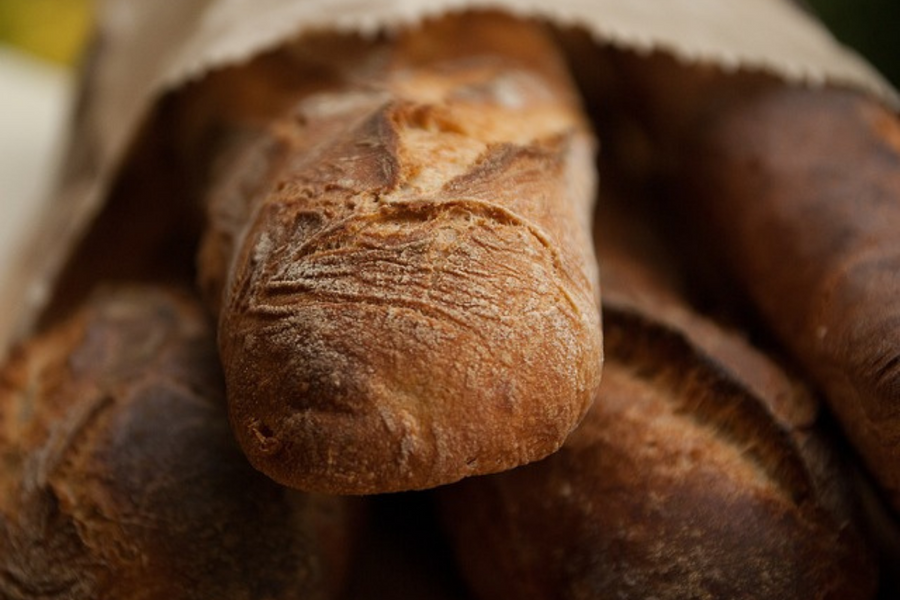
(400,258)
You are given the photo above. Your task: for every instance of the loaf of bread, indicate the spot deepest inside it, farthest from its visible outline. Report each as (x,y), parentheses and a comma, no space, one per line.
(120,477)
(398,251)
(797,192)
(696,474)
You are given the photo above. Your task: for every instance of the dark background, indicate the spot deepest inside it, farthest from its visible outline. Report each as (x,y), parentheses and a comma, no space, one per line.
(870,26)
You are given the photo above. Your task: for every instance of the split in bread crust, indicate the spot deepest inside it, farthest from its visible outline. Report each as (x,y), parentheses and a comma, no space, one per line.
(401,258)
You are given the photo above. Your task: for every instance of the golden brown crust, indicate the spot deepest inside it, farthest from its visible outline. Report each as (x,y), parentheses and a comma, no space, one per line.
(121,478)
(410,294)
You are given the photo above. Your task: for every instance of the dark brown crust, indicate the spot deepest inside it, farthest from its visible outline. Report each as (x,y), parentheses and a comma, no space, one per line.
(799,191)
(409,296)
(817,173)
(701,471)
(121,478)
(642,273)
(678,484)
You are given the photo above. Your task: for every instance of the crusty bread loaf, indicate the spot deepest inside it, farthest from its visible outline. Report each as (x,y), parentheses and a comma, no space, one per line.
(121,478)
(401,259)
(698,473)
(798,192)
(642,273)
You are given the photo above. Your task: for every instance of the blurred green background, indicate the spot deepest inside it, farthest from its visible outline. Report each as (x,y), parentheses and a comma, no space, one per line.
(56,29)
(51,29)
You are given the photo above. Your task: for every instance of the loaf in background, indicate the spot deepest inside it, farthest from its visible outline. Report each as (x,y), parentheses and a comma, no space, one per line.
(398,249)
(795,194)
(121,478)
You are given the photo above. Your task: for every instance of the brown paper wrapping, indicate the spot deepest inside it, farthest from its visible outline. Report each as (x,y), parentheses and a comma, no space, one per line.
(142,49)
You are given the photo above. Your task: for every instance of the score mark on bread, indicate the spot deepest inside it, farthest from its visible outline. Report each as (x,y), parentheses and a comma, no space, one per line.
(406,286)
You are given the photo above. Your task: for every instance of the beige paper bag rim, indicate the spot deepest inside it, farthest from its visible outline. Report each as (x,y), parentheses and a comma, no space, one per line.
(144,48)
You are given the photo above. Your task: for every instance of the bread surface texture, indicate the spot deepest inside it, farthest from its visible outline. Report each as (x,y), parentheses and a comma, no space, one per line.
(678,484)
(121,478)
(401,259)
(823,171)
(701,471)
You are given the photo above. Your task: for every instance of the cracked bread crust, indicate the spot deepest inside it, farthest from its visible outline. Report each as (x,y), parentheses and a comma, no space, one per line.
(406,286)
(679,483)
(120,477)
(703,470)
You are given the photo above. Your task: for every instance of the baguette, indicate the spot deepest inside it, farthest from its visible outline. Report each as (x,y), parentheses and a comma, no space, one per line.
(121,478)
(642,274)
(799,192)
(700,472)
(400,257)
